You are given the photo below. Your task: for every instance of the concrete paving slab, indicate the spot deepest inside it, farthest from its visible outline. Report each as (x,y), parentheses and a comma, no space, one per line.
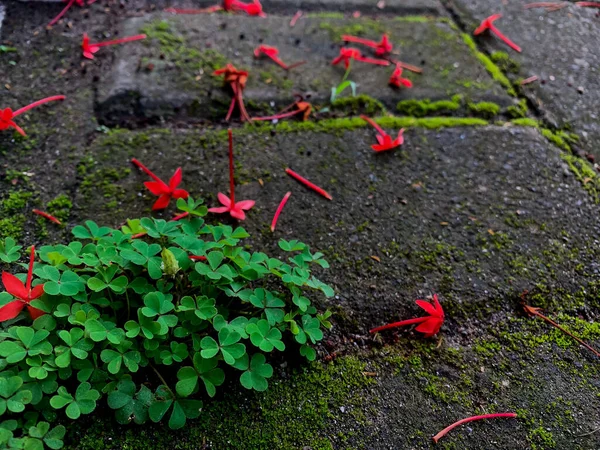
(169,75)
(559,47)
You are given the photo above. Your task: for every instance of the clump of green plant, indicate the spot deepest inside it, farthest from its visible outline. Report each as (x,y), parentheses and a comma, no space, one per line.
(151,319)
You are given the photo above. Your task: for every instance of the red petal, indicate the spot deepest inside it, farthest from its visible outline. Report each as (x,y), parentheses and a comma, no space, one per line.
(238,214)
(221,210)
(180,193)
(36,292)
(157,188)
(11,310)
(224,200)
(406,82)
(245,204)
(162,202)
(175,179)
(381,148)
(34,312)
(429,327)
(14,286)
(428,307)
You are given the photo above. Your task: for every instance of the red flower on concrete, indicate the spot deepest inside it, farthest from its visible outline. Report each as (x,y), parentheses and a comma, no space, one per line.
(385,141)
(164,191)
(252,9)
(301,107)
(23,294)
(89,49)
(7,115)
(236,210)
(64,11)
(273,53)
(382,48)
(397,80)
(429,325)
(348,53)
(488,24)
(236,79)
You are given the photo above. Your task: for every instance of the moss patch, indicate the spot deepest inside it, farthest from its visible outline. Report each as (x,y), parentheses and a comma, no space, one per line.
(11,211)
(362,104)
(423,108)
(505,62)
(487,110)
(585,173)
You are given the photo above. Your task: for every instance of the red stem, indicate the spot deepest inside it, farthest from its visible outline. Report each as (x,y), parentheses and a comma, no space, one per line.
(47,216)
(442,433)
(374,125)
(62,13)
(30,271)
(137,37)
(589,4)
(231,179)
(139,235)
(399,324)
(279,209)
(277,61)
(379,62)
(362,41)
(278,116)
(307,183)
(197,258)
(146,170)
(240,102)
(38,103)
(180,216)
(295,18)
(503,38)
(299,63)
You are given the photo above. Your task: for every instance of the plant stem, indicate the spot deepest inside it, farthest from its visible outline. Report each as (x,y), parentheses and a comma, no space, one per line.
(231,177)
(146,170)
(307,183)
(128,306)
(279,209)
(347,71)
(38,103)
(62,13)
(120,41)
(399,324)
(373,124)
(358,40)
(442,433)
(47,216)
(163,380)
(30,271)
(504,39)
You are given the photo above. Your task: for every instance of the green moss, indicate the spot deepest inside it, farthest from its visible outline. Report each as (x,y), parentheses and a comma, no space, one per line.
(102,183)
(292,413)
(359,104)
(517,111)
(11,211)
(486,110)
(492,68)
(556,138)
(585,173)
(364,28)
(505,62)
(423,108)
(60,207)
(526,122)
(15,202)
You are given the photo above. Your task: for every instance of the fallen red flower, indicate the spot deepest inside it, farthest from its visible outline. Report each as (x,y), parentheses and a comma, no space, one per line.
(384,139)
(7,115)
(488,24)
(236,79)
(90,49)
(347,54)
(273,53)
(295,18)
(302,107)
(308,184)
(164,191)
(64,11)
(430,325)
(406,66)
(588,4)
(23,293)
(252,9)
(229,205)
(382,48)
(45,215)
(397,80)
(279,209)
(442,433)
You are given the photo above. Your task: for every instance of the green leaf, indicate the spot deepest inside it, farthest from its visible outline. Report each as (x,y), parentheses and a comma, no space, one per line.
(265,337)
(129,405)
(256,376)
(9,251)
(156,304)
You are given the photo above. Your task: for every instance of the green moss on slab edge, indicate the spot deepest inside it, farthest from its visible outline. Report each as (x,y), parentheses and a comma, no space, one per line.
(358,104)
(486,110)
(526,122)
(585,173)
(423,108)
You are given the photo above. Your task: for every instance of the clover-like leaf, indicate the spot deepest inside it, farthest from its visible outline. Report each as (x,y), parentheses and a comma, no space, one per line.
(256,375)
(84,401)
(265,337)
(129,405)
(228,345)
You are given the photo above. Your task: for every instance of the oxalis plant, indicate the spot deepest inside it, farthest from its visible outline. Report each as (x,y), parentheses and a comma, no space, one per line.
(149,319)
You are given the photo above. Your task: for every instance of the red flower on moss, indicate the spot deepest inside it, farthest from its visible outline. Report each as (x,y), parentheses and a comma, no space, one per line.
(488,24)
(397,80)
(385,141)
(348,53)
(429,325)
(236,210)
(23,294)
(7,115)
(164,191)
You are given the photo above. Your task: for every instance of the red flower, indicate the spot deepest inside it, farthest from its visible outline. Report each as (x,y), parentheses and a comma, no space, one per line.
(7,115)
(236,79)
(302,107)
(308,184)
(397,80)
(252,9)
(90,49)
(273,52)
(229,205)
(382,48)
(164,191)
(488,24)
(347,54)
(69,4)
(24,294)
(430,325)
(384,139)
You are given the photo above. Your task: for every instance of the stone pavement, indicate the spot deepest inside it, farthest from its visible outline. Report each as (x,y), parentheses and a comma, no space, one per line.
(475,206)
